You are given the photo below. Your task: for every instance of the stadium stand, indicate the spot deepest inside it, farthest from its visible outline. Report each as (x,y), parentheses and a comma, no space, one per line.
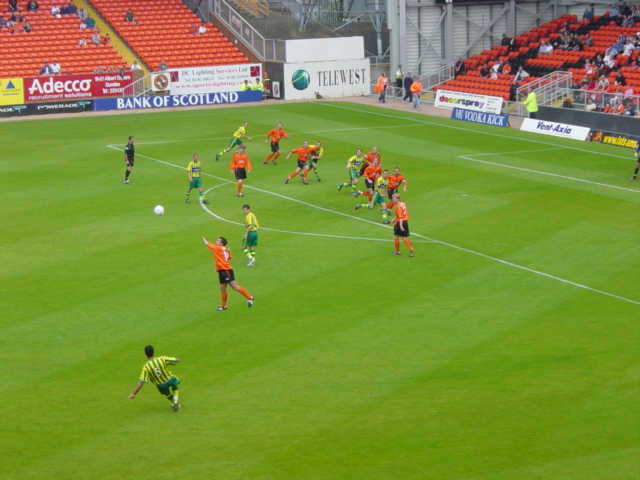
(603,30)
(164,30)
(51,39)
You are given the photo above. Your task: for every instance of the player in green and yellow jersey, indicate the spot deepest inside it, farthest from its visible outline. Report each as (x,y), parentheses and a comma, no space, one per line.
(353,167)
(382,184)
(315,158)
(194,170)
(157,372)
(236,140)
(250,239)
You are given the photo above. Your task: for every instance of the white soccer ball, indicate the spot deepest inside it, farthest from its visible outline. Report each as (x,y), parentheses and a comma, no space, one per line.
(158,210)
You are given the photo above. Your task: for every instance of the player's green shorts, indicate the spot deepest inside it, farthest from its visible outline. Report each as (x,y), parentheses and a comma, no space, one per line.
(235,141)
(196,182)
(165,388)
(252,239)
(353,173)
(378,200)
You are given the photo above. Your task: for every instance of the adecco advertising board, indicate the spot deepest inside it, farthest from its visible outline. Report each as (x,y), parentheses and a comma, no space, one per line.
(73,87)
(468,101)
(331,79)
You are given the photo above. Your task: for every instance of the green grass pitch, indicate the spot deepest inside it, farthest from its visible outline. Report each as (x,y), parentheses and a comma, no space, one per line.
(507,348)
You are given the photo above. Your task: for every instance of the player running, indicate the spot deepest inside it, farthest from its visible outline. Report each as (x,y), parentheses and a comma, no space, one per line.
(240,166)
(395,180)
(382,183)
(222,255)
(353,167)
(303,153)
(276,134)
(369,158)
(236,140)
(250,239)
(315,157)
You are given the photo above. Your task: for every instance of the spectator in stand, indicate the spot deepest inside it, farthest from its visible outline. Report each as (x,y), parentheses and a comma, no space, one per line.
(521,74)
(587,15)
(588,40)
(55,68)
(129,17)
(506,68)
(162,66)
(459,68)
(3,22)
(33,6)
(135,66)
(629,110)
(95,38)
(55,11)
(629,92)
(46,70)
(72,9)
(100,69)
(194,29)
(106,40)
(64,9)
(82,42)
(257,85)
(603,83)
(497,67)
(619,80)
(121,70)
(13,5)
(505,40)
(545,48)
(82,14)
(26,26)
(591,107)
(408,81)
(628,48)
(494,75)
(614,11)
(202,29)
(89,24)
(609,60)
(619,109)
(485,71)
(245,86)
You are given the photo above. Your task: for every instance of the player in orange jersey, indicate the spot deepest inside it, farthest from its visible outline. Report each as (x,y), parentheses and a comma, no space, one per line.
(371,174)
(276,134)
(395,180)
(303,162)
(222,255)
(369,158)
(401,224)
(240,165)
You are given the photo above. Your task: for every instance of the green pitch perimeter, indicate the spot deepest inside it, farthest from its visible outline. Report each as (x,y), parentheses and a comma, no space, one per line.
(507,348)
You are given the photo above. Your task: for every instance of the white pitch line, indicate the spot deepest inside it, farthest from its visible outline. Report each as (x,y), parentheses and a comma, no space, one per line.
(544,173)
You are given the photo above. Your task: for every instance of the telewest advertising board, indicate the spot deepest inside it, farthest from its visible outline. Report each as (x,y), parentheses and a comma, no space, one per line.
(74,87)
(331,79)
(468,101)
(214,79)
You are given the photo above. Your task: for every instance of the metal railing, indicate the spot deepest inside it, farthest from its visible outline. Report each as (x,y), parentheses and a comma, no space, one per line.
(551,90)
(253,7)
(138,88)
(266,49)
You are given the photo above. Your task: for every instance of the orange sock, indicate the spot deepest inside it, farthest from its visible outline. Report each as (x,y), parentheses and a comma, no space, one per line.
(396,242)
(224,299)
(406,240)
(276,156)
(239,187)
(292,175)
(304,175)
(267,159)
(245,293)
